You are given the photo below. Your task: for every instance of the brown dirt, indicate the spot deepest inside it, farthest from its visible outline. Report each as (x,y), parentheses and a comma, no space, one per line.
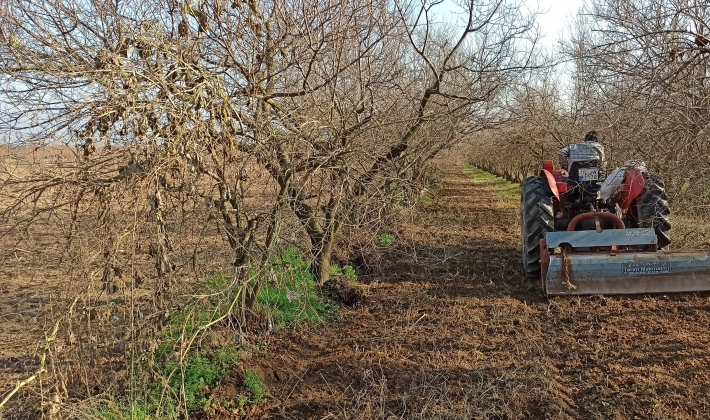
(452,330)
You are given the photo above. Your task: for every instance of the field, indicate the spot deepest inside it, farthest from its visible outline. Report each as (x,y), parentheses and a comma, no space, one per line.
(310,209)
(449,329)
(455,332)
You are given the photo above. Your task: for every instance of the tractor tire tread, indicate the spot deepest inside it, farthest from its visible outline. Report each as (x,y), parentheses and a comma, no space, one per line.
(654,209)
(537,218)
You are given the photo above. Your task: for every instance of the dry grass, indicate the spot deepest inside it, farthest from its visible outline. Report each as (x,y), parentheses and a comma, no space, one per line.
(690,232)
(110,330)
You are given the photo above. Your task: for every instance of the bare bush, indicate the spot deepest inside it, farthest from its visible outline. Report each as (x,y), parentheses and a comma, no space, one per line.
(147,135)
(639,78)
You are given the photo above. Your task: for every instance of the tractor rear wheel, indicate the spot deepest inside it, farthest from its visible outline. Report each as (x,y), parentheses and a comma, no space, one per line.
(536,219)
(654,210)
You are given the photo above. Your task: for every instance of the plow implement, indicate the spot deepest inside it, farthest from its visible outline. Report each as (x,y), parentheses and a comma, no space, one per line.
(584,237)
(617,261)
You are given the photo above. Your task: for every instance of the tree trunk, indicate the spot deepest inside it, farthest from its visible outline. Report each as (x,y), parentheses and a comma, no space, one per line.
(322,249)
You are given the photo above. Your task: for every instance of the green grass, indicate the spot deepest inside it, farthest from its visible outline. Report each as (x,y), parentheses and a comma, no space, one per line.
(503,188)
(426,199)
(116,413)
(296,300)
(199,372)
(184,386)
(347,271)
(256,387)
(185,323)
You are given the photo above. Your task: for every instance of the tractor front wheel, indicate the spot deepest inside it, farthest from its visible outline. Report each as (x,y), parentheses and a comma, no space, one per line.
(536,219)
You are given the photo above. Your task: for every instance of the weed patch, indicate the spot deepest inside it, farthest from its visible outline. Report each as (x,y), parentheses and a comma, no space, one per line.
(199,372)
(385,238)
(295,298)
(184,378)
(348,272)
(256,387)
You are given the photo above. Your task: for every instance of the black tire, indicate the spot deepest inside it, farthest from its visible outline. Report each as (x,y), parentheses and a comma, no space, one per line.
(654,210)
(536,219)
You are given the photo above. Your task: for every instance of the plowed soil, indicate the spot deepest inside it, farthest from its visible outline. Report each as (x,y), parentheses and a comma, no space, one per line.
(452,330)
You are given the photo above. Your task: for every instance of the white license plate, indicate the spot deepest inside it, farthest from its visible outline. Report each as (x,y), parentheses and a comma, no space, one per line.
(588,174)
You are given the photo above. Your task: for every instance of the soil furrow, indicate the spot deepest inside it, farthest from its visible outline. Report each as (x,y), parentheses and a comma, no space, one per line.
(454,331)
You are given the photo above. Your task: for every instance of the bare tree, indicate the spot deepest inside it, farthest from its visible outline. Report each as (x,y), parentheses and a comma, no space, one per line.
(643,68)
(149,127)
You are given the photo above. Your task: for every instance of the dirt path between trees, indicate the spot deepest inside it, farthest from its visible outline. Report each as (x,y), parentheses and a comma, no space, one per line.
(456,332)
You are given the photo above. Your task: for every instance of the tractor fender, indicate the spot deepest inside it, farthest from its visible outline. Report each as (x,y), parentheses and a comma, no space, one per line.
(553,183)
(633,185)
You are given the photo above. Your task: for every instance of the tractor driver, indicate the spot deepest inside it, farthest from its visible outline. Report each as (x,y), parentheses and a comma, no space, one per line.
(590,149)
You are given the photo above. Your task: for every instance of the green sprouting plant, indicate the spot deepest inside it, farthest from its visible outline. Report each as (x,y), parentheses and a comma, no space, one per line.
(346,271)
(136,412)
(187,322)
(189,381)
(227,356)
(196,374)
(256,387)
(425,199)
(350,273)
(385,238)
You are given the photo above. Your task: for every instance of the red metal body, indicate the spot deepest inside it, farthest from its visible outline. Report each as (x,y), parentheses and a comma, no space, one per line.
(631,188)
(553,177)
(615,262)
(552,182)
(558,174)
(548,165)
(593,215)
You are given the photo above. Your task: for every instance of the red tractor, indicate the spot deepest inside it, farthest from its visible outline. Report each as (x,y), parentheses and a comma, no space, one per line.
(582,236)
